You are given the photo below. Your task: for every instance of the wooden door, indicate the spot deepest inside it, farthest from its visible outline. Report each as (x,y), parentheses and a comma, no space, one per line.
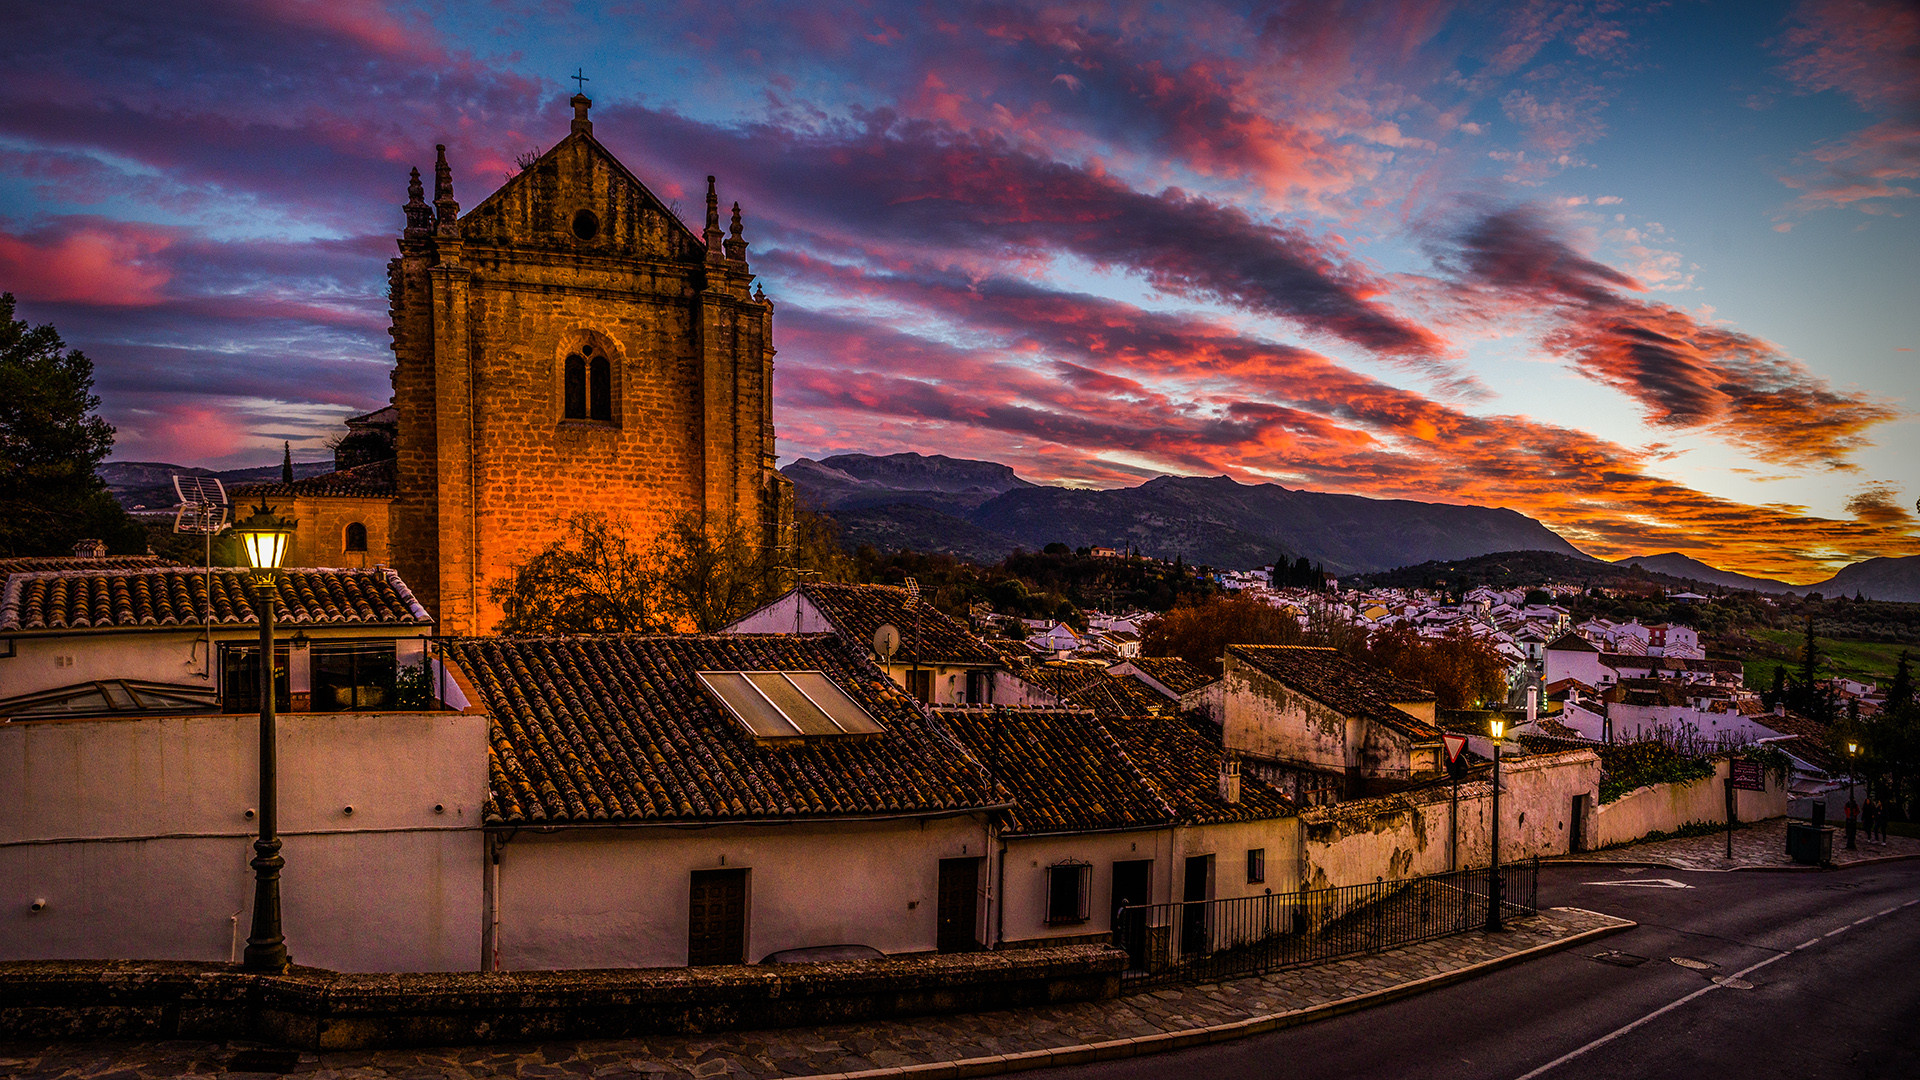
(1196,921)
(1131,880)
(959,905)
(717,918)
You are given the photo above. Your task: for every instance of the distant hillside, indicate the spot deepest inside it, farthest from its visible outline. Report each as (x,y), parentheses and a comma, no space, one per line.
(1214,521)
(1877,579)
(148,485)
(1510,569)
(1680,566)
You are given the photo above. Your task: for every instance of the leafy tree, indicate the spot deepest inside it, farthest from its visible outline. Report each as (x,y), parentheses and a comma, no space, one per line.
(50,444)
(1461,670)
(1200,632)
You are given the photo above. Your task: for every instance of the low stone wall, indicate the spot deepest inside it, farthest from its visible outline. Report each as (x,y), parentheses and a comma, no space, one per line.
(324,1010)
(1667,807)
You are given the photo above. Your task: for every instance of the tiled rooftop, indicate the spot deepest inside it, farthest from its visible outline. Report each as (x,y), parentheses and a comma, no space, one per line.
(68,600)
(1086,684)
(1174,673)
(1349,688)
(858,610)
(30,563)
(1069,769)
(618,728)
(372,480)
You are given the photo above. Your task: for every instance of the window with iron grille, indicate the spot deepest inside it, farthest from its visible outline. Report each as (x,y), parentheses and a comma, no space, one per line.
(1069,891)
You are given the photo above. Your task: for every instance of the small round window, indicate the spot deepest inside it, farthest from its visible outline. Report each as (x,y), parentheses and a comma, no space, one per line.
(586,225)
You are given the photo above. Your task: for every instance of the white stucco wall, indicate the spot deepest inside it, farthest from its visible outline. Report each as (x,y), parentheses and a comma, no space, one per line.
(1667,807)
(162,656)
(595,898)
(1571,664)
(134,833)
(1633,722)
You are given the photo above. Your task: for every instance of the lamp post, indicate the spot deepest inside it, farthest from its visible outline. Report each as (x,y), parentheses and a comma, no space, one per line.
(1853,809)
(265,535)
(1497,727)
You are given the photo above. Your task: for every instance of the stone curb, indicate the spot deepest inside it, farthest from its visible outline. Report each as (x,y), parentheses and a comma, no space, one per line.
(1114,1049)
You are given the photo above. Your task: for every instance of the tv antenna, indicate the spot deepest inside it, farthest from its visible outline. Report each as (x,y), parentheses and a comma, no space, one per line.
(202,510)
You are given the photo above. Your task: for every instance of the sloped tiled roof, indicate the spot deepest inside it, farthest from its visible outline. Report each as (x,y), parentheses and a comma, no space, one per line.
(1182,760)
(618,728)
(1571,642)
(1340,684)
(1063,769)
(372,480)
(858,610)
(1175,673)
(1086,684)
(69,600)
(1668,663)
(30,563)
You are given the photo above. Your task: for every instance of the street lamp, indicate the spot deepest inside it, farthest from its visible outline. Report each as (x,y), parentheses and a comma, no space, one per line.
(265,536)
(1853,810)
(1497,727)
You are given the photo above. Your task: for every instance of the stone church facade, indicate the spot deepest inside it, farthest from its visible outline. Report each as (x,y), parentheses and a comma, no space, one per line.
(570,345)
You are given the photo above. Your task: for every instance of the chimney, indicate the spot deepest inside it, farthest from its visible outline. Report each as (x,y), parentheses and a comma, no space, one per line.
(1230,780)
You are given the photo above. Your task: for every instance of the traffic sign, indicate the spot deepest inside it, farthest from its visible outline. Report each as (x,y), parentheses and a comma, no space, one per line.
(1454,744)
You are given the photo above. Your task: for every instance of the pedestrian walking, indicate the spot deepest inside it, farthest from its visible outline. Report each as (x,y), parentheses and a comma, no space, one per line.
(1881,812)
(1869,810)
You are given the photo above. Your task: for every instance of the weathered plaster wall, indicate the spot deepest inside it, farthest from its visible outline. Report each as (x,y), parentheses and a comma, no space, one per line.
(596,898)
(1267,720)
(1408,835)
(1667,807)
(135,834)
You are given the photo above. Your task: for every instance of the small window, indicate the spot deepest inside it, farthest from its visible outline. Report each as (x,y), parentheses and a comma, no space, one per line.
(356,537)
(576,387)
(920,685)
(1068,889)
(1256,865)
(586,224)
(600,389)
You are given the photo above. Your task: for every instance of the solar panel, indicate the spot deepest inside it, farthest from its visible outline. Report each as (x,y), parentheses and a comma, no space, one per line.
(788,704)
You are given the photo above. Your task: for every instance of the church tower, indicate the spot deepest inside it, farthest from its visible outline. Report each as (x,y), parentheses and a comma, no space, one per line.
(570,345)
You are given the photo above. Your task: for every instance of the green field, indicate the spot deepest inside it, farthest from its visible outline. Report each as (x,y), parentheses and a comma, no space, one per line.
(1838,656)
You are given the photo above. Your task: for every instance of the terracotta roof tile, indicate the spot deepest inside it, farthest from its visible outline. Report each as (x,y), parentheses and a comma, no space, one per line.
(30,563)
(1086,684)
(1341,684)
(619,728)
(372,480)
(1181,757)
(858,610)
(1175,673)
(1063,768)
(68,600)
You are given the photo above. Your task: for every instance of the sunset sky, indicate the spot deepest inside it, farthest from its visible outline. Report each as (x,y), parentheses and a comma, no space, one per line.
(1649,273)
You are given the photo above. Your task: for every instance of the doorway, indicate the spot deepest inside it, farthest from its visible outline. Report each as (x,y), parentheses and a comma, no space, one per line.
(717,918)
(1132,880)
(958,905)
(1195,914)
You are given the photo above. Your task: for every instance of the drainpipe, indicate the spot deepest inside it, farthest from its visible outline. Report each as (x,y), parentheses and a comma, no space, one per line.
(1000,904)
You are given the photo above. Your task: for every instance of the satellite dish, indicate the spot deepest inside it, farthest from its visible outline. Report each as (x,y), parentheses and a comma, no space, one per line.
(886,641)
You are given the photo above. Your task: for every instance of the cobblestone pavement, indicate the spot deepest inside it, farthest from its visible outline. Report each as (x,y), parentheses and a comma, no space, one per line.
(1762,844)
(842,1048)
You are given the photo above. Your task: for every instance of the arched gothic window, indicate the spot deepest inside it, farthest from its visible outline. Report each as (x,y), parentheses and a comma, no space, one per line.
(600,389)
(576,387)
(356,537)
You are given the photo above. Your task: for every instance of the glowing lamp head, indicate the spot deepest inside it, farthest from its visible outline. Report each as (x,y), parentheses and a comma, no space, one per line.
(265,536)
(1853,748)
(1497,727)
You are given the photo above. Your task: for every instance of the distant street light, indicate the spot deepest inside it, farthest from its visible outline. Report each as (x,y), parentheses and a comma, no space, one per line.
(265,536)
(1497,727)
(1853,810)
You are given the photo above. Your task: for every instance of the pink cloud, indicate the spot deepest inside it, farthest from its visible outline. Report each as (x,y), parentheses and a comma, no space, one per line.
(89,261)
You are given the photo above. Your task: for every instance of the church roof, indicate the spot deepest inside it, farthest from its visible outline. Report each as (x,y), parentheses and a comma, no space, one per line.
(619,728)
(858,610)
(1340,684)
(374,480)
(177,596)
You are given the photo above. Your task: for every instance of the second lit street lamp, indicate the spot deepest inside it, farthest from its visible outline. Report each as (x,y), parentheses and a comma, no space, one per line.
(1496,727)
(265,536)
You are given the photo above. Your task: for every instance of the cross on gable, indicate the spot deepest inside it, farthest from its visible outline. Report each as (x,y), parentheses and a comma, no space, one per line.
(580,79)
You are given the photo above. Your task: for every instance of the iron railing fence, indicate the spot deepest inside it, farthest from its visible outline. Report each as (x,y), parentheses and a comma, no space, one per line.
(1209,940)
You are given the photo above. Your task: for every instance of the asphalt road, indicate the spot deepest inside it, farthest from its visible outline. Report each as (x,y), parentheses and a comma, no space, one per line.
(1832,959)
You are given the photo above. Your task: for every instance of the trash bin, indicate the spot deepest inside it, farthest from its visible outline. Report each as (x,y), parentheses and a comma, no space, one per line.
(1809,844)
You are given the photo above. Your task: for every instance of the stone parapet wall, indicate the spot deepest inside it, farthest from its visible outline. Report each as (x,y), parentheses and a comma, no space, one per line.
(324,1010)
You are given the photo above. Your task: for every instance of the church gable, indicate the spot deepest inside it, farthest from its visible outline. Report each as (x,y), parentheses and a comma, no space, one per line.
(579,199)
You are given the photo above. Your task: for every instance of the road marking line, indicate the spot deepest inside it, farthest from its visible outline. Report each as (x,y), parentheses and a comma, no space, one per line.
(1864,918)
(1672,1005)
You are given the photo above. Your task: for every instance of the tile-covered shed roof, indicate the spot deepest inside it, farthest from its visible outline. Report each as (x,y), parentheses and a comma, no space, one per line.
(1326,676)
(65,601)
(1063,768)
(372,480)
(1174,673)
(858,610)
(1070,770)
(618,728)
(1086,684)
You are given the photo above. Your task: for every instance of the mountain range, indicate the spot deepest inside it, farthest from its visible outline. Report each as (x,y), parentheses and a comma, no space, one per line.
(148,485)
(981,511)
